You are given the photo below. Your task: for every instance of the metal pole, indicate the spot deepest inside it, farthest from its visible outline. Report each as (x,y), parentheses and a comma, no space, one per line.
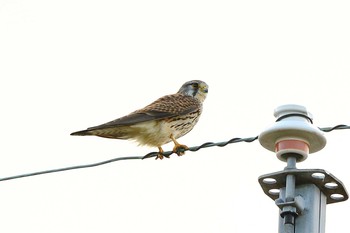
(302,193)
(312,220)
(288,212)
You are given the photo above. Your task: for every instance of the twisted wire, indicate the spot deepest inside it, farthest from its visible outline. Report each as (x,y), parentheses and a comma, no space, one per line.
(329,129)
(204,145)
(154,154)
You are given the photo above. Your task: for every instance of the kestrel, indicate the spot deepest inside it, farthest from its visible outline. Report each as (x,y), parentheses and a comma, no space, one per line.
(165,120)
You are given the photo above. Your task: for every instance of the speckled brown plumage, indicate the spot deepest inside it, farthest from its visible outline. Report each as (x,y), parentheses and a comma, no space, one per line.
(160,122)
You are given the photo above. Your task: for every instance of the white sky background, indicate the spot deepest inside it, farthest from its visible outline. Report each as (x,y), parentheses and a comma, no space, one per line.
(68,65)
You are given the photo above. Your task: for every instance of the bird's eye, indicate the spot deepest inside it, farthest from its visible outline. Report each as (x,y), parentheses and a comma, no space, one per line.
(195,85)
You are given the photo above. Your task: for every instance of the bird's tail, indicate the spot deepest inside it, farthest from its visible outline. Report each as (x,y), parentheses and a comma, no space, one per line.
(124,132)
(81,133)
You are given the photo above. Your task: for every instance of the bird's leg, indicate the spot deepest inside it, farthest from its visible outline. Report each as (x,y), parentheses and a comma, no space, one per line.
(178,147)
(160,153)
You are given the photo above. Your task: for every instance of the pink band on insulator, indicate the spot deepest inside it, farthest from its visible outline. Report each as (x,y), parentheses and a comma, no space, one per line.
(292,144)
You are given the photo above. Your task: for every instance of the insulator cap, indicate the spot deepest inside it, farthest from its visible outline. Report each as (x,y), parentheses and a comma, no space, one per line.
(293,133)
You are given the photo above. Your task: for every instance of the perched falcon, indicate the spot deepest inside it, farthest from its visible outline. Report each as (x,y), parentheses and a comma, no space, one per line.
(166,119)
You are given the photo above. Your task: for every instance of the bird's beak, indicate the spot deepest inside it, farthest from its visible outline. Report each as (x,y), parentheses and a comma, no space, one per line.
(204,89)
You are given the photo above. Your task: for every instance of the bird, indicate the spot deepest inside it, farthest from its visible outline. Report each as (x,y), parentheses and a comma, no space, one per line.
(164,120)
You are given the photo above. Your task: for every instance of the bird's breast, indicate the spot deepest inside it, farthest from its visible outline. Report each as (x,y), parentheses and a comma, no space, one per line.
(158,132)
(181,125)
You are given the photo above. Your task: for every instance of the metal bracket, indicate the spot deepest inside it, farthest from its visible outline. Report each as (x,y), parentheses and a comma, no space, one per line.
(328,184)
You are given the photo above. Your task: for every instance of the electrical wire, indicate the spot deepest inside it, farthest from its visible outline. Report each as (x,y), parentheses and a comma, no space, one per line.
(329,129)
(154,154)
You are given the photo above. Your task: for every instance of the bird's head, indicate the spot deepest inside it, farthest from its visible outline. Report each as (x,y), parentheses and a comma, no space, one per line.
(195,88)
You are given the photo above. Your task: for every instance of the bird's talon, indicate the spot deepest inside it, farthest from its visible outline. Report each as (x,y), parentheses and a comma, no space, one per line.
(180,149)
(160,153)
(161,156)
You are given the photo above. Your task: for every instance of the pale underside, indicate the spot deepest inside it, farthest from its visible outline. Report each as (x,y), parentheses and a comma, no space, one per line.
(154,132)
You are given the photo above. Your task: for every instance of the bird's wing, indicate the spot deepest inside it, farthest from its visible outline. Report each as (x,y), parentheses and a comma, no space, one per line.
(167,106)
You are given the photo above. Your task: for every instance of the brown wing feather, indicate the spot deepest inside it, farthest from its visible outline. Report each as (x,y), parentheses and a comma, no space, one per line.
(167,106)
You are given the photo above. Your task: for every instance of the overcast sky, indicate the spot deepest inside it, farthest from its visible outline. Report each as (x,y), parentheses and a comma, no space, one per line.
(69,65)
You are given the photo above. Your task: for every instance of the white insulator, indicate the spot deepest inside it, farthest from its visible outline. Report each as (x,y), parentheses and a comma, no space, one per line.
(292,133)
